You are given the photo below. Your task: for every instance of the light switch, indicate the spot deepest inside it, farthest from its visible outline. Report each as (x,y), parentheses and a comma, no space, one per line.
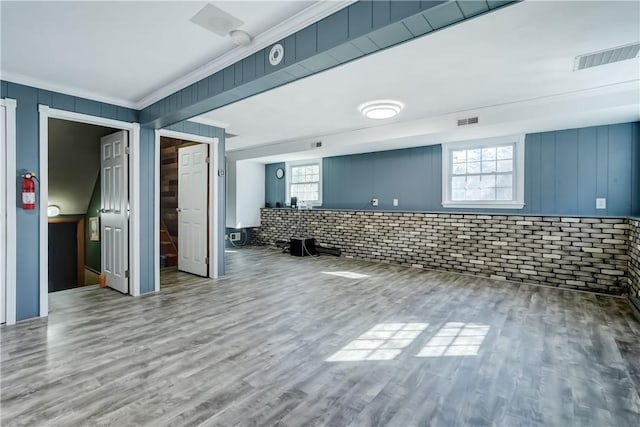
(601,203)
(395,202)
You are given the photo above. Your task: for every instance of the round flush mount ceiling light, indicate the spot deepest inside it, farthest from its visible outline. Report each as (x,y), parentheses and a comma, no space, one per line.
(381,109)
(240,38)
(53,210)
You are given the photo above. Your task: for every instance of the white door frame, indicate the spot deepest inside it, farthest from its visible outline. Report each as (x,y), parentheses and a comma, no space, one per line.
(46,113)
(9,258)
(213,207)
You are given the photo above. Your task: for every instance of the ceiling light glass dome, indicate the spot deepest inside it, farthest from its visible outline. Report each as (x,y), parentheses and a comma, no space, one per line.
(381,109)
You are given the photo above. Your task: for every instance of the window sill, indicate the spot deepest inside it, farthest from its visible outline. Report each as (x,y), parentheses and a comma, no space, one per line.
(308,205)
(476,205)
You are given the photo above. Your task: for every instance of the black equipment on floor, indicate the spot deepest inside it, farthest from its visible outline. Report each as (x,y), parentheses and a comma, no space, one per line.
(302,246)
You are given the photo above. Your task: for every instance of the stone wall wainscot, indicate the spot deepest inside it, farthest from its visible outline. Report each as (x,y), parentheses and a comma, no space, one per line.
(578,253)
(634,260)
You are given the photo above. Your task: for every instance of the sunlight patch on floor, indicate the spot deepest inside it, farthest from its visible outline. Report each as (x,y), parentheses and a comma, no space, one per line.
(384,341)
(346,274)
(456,339)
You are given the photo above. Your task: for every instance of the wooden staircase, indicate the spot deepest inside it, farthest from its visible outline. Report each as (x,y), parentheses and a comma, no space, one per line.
(167,246)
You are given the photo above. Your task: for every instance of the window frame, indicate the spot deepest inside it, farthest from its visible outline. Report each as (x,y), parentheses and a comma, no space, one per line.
(517,201)
(289,175)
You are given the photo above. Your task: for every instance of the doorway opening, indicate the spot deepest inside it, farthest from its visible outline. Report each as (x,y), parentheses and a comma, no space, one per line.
(109,222)
(186,213)
(184,202)
(74,204)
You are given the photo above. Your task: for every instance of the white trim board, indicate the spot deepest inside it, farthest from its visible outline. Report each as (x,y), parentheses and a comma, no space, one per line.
(10,205)
(213,205)
(134,194)
(67,90)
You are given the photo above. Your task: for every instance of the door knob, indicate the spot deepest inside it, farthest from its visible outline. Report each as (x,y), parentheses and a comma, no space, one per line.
(178,210)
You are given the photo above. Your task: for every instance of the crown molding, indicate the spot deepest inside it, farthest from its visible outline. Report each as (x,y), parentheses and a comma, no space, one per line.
(306,17)
(41,84)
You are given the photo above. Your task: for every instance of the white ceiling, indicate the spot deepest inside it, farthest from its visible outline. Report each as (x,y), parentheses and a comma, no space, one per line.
(132,53)
(514,68)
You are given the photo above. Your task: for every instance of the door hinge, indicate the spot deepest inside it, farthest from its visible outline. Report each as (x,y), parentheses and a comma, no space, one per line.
(127,150)
(206,260)
(208,160)
(126,274)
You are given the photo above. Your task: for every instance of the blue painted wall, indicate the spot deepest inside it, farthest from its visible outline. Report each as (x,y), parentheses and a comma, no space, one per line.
(27,158)
(564,173)
(275,188)
(635,171)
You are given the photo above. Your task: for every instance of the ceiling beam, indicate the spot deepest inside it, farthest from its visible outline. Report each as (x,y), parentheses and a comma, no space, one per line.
(363,28)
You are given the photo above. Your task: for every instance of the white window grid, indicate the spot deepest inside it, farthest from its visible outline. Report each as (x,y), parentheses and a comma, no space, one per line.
(500,185)
(304,181)
(487,176)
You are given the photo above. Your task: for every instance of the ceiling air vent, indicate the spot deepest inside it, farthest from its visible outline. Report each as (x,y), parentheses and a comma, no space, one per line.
(608,56)
(216,20)
(467,121)
(316,144)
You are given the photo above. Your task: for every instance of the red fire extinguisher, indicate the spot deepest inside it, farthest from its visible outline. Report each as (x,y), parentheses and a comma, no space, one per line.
(28,192)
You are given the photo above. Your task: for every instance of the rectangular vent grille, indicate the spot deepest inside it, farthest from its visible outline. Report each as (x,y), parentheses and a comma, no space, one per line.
(608,56)
(468,121)
(317,144)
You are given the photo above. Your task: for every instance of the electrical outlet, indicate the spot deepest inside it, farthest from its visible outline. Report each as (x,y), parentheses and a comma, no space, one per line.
(601,203)
(396,202)
(234,237)
(374,202)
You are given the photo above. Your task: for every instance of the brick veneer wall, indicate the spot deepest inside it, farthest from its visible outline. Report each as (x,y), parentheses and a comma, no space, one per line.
(634,258)
(579,253)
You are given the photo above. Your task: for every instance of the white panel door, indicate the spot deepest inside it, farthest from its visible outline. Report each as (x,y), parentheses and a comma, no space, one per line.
(3,215)
(192,209)
(114,212)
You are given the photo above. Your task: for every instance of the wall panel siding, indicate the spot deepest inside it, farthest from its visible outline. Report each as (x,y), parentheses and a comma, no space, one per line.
(619,176)
(635,171)
(27,222)
(567,183)
(147,199)
(27,159)
(548,170)
(564,173)
(275,189)
(587,164)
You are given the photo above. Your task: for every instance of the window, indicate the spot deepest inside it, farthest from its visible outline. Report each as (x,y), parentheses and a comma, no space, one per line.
(304,181)
(486,173)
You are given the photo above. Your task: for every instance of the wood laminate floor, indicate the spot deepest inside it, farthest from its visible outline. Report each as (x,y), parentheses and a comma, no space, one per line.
(324,341)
